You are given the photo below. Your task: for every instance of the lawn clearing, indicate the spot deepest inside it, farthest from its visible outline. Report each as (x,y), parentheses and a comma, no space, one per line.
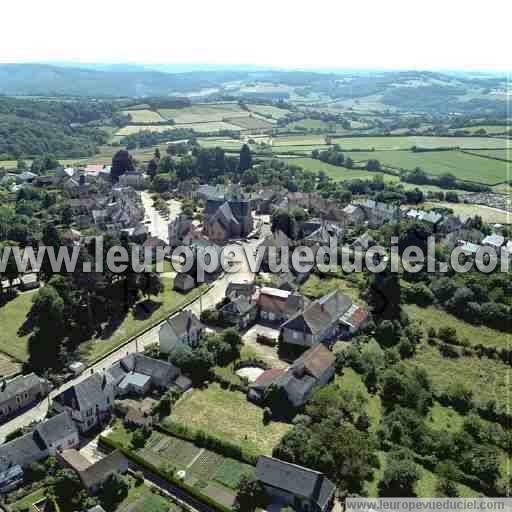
(229,416)
(486,378)
(226,144)
(445,419)
(310,124)
(300,140)
(144,116)
(209,127)
(434,317)
(13,315)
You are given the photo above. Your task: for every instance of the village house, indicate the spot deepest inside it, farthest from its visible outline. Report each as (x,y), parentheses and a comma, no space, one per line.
(277,244)
(183,328)
(244,288)
(353,215)
(377,213)
(301,488)
(94,475)
(47,439)
(313,369)
(135,179)
(88,402)
(20,393)
(363,243)
(240,312)
(276,306)
(182,231)
(25,177)
(136,374)
(333,315)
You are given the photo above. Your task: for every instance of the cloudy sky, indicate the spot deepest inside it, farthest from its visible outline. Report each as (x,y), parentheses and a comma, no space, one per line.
(438,34)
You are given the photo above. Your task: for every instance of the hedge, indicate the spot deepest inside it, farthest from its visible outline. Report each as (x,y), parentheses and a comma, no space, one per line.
(206,440)
(195,493)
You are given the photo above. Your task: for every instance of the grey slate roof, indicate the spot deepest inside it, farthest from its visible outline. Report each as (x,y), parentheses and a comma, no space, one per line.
(57,428)
(19,385)
(155,368)
(183,322)
(87,393)
(23,450)
(296,480)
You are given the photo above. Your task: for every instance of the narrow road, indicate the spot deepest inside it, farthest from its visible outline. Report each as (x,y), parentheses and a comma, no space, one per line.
(212,297)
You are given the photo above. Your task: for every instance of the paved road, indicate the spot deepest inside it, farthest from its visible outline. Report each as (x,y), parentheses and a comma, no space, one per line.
(213,296)
(159,226)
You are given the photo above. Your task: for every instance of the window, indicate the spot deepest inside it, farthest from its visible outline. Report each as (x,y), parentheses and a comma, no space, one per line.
(295,335)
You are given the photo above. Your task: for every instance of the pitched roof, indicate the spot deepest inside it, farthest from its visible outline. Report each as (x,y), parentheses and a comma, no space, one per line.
(139,363)
(18,385)
(87,393)
(56,429)
(316,361)
(320,313)
(240,305)
(75,460)
(355,316)
(296,480)
(29,447)
(97,473)
(183,322)
(269,376)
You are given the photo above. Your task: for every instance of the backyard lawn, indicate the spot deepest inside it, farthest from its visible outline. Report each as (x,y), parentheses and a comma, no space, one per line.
(229,416)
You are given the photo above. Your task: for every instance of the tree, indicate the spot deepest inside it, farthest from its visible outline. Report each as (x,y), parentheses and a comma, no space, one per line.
(113,491)
(245,158)
(283,220)
(400,475)
(121,162)
(152,168)
(150,283)
(384,295)
(250,494)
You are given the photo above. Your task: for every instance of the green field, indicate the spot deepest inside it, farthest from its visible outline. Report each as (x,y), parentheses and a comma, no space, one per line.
(228,415)
(226,144)
(250,123)
(339,173)
(434,317)
(134,128)
(488,214)
(144,116)
(309,124)
(269,111)
(462,165)
(299,140)
(397,142)
(315,287)
(504,154)
(202,113)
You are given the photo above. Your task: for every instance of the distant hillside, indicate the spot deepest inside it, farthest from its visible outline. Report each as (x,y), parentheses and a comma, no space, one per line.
(42,79)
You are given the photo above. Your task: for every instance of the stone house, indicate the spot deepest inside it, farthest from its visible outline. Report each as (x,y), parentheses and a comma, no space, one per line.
(276,306)
(227,219)
(89,402)
(184,282)
(20,393)
(318,322)
(183,328)
(47,439)
(301,488)
(239,312)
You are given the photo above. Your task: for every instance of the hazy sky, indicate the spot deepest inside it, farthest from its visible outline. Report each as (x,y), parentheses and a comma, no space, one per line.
(435,34)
